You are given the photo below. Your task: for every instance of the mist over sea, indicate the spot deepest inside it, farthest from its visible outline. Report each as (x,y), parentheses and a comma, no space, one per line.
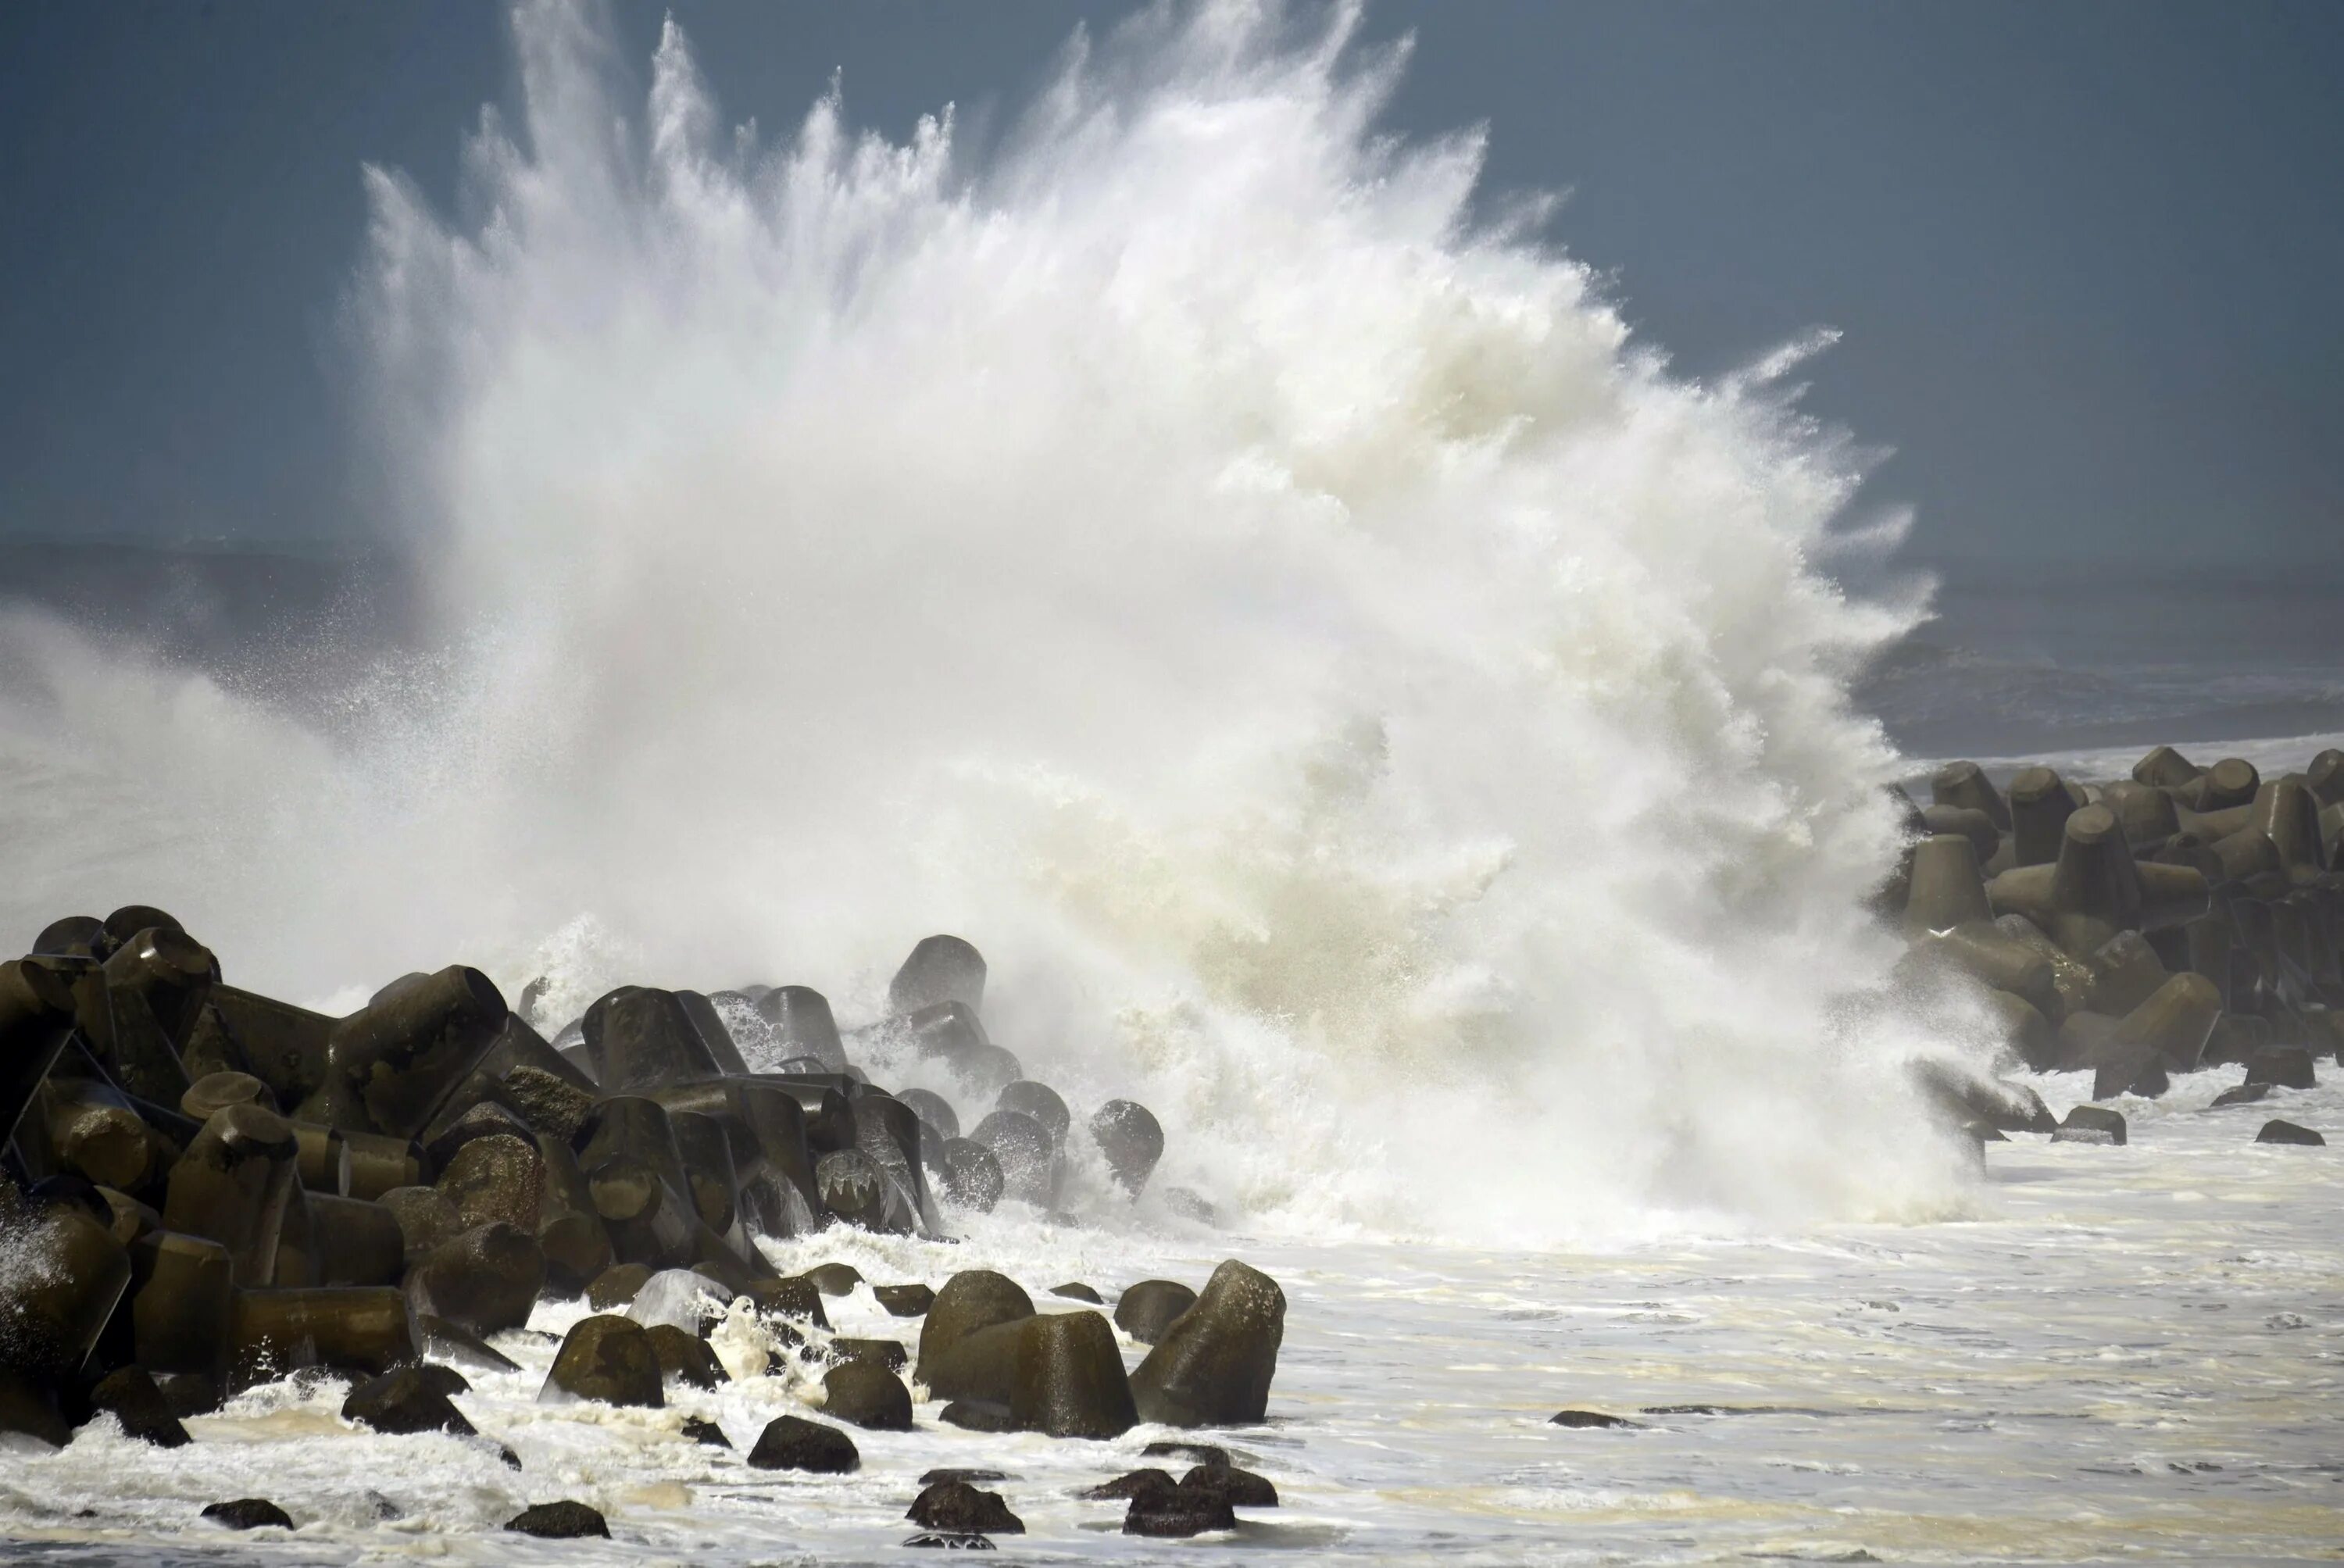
(1363,704)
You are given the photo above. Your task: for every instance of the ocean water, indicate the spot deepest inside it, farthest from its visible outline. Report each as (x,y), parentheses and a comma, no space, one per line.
(1363,704)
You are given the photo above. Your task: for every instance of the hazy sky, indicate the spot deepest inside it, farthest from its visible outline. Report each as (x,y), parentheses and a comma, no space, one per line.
(2086,255)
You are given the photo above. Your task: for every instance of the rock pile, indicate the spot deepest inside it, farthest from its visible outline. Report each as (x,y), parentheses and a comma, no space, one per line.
(203,1187)
(2184,918)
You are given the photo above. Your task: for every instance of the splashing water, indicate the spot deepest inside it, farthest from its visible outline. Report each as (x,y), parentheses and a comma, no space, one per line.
(1360,704)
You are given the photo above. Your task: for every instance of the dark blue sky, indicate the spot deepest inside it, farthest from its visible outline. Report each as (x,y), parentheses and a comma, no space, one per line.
(2086,255)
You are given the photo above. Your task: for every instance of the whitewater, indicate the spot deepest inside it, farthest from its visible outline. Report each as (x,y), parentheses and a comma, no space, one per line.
(1364,704)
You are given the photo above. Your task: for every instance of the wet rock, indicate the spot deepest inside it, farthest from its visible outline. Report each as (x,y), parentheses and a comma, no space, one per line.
(979,1415)
(486,1280)
(1587,1419)
(932,1109)
(970,1176)
(956,1505)
(616,1286)
(792,1442)
(1237,1488)
(562,1520)
(2243,1094)
(1027,1156)
(950,1541)
(706,1433)
(1040,1101)
(803,1025)
(835,1278)
(905,1301)
(1076,1290)
(249,1513)
(1191,1205)
(450,1342)
(1179,1515)
(131,1397)
(940,970)
(792,1296)
(30,1410)
(971,1301)
(887,1353)
(1149,1308)
(1194,1452)
(2091,1124)
(686,1357)
(1154,1483)
(495,1179)
(974,1477)
(2286,1067)
(2288,1132)
(409,1400)
(1069,1380)
(606,1359)
(985,1070)
(639,1039)
(188,1393)
(355,1243)
(1214,1365)
(570,1233)
(426,1221)
(234,1186)
(868,1395)
(182,1310)
(395,1058)
(362,1329)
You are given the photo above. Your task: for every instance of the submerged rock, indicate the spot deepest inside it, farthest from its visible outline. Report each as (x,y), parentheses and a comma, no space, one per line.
(1587,1419)
(2091,1124)
(792,1442)
(905,1301)
(1238,1488)
(562,1520)
(1076,1290)
(2288,1132)
(1178,1514)
(608,1359)
(867,1395)
(1069,1379)
(686,1357)
(249,1513)
(1149,1308)
(409,1398)
(2286,1067)
(970,1176)
(1131,1139)
(131,1397)
(956,1505)
(2244,1094)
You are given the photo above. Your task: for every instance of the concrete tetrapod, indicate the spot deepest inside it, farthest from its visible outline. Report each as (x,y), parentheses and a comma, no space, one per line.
(1214,1365)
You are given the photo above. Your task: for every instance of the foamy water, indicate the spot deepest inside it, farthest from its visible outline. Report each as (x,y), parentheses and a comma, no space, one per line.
(2129,1354)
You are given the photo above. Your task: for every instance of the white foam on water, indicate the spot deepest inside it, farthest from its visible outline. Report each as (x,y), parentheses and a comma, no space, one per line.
(1362,705)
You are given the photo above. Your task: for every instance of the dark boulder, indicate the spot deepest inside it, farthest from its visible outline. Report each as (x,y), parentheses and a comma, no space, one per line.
(835,1278)
(485,1281)
(1069,1380)
(1148,1482)
(706,1433)
(2091,1124)
(686,1357)
(957,1505)
(1587,1419)
(932,1109)
(426,1220)
(953,1472)
(131,1397)
(867,1395)
(971,1300)
(1214,1365)
(451,1342)
(1131,1139)
(792,1442)
(1040,1101)
(249,1513)
(791,1296)
(1076,1290)
(1027,1156)
(1181,1513)
(563,1520)
(970,1176)
(905,1301)
(2244,1094)
(2288,1132)
(608,1359)
(940,970)
(616,1286)
(979,1415)
(495,1179)
(887,1353)
(1149,1308)
(1237,1488)
(409,1398)
(2286,1066)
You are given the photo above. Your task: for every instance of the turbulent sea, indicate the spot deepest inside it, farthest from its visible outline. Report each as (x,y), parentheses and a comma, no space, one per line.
(1363,704)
